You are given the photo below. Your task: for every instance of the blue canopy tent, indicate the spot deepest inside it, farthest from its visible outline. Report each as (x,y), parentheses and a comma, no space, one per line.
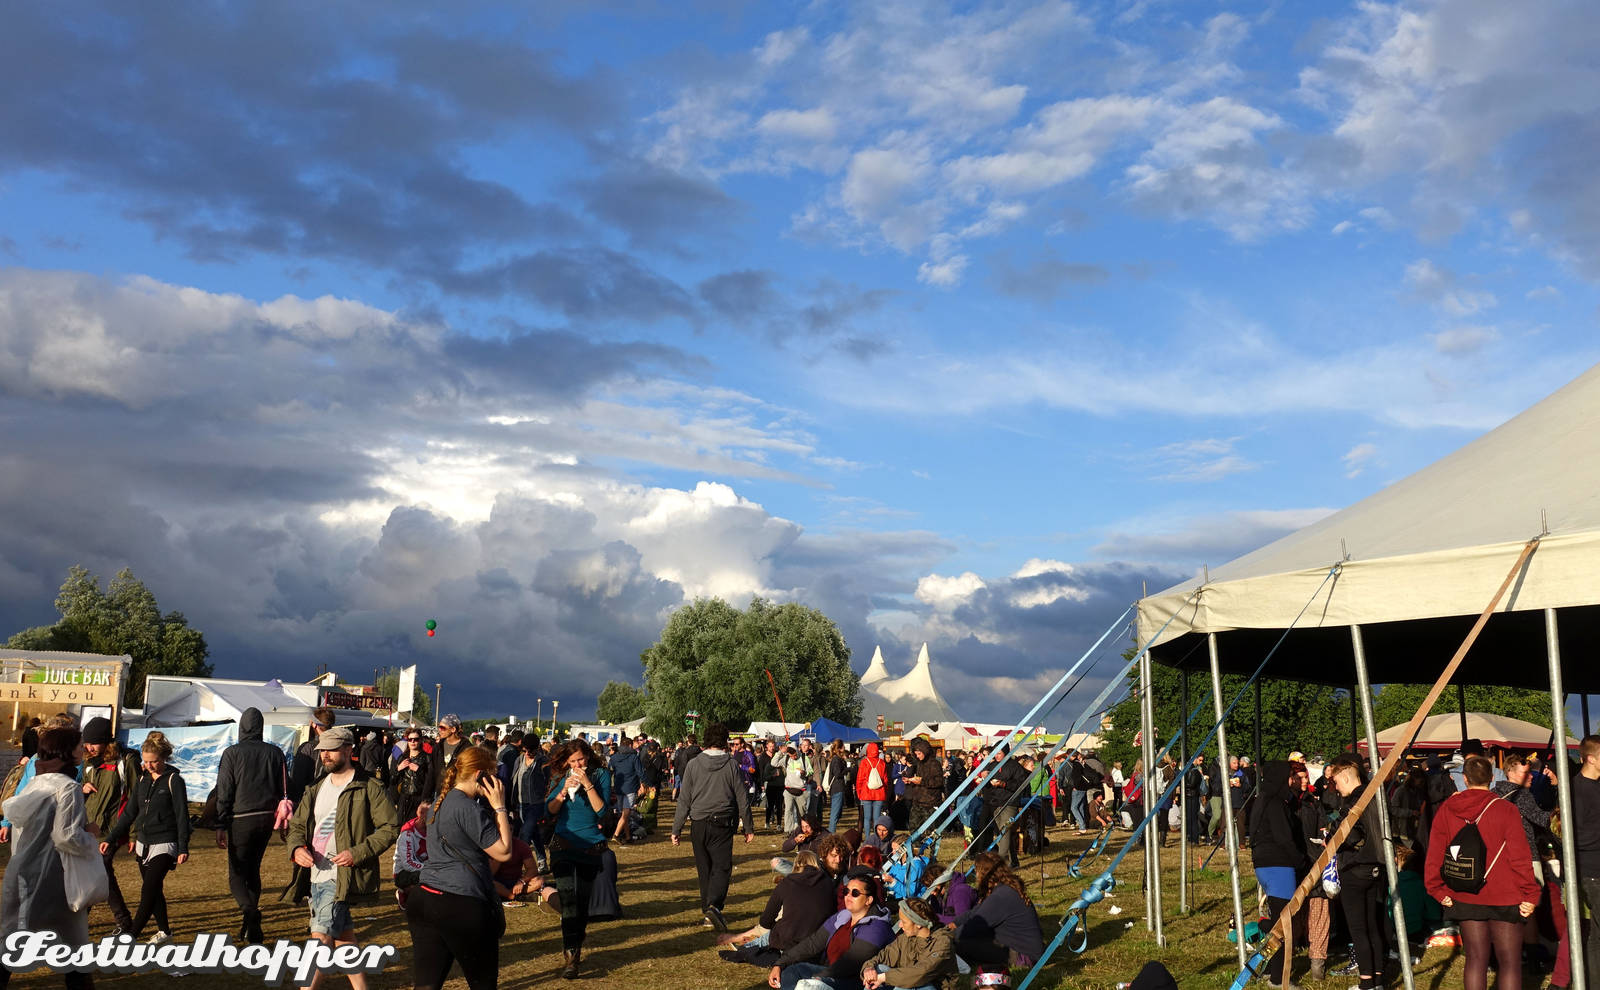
(826,730)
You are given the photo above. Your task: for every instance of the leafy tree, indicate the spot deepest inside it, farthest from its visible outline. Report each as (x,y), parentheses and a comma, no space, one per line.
(712,658)
(1396,703)
(1312,718)
(121,619)
(388,684)
(619,701)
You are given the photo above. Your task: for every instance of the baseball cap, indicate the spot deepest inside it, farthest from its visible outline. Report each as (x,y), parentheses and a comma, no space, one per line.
(337,737)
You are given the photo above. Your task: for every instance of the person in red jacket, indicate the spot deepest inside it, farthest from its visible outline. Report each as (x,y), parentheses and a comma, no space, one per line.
(872,798)
(1492,916)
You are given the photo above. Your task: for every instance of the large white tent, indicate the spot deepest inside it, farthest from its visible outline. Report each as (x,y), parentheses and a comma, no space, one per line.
(1424,556)
(910,699)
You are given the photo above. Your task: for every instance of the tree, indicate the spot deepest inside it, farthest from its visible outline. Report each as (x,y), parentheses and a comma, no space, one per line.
(619,701)
(387,684)
(712,659)
(1396,703)
(1295,715)
(122,619)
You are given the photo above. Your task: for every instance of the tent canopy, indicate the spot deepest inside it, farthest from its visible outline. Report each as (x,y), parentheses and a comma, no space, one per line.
(1443,732)
(910,699)
(826,730)
(1425,556)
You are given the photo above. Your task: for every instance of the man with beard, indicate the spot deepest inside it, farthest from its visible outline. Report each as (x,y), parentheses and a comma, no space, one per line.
(250,783)
(925,782)
(337,839)
(306,768)
(450,742)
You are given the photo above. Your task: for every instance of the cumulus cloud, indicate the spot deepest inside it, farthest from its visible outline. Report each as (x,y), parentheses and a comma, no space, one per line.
(1444,289)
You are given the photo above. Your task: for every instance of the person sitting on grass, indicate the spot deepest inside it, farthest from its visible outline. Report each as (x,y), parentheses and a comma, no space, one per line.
(921,958)
(411,853)
(882,834)
(806,835)
(1099,814)
(835,953)
(950,894)
(903,872)
(1003,929)
(798,906)
(519,875)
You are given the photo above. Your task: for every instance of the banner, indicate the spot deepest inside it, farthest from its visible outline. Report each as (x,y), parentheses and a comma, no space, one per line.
(407,689)
(197,750)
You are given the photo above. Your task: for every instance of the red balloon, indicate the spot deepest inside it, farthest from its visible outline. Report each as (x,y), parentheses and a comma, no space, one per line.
(430,632)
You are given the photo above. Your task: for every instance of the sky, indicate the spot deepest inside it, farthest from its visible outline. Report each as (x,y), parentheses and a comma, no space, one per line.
(960,322)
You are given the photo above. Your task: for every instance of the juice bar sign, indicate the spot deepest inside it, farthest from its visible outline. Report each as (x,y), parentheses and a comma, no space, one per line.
(63,686)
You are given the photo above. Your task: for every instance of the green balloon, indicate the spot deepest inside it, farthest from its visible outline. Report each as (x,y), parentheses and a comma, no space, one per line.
(432,624)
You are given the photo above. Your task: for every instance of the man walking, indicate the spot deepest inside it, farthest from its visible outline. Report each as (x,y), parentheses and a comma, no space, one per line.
(449,743)
(712,796)
(336,841)
(108,777)
(251,780)
(626,777)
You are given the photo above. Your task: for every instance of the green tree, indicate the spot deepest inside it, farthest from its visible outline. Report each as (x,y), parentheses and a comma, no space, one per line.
(388,684)
(1396,703)
(712,658)
(1295,715)
(121,619)
(619,701)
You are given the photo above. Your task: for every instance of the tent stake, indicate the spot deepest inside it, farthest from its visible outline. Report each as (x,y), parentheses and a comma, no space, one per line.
(1391,868)
(1569,842)
(1227,804)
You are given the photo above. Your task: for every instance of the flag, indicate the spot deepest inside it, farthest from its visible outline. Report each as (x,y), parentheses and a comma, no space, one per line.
(407,689)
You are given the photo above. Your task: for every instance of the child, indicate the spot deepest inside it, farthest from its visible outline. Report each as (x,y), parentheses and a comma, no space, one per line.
(411,854)
(902,874)
(1099,814)
(921,958)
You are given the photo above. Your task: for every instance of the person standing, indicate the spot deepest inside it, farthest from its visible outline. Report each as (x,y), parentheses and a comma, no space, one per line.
(712,796)
(1490,917)
(530,785)
(1586,823)
(306,767)
(158,810)
(50,829)
(578,799)
(108,774)
(454,912)
(413,775)
(686,751)
(251,780)
(1360,866)
(836,782)
(336,840)
(777,766)
(626,776)
(375,756)
(1002,798)
(1277,847)
(446,748)
(1119,780)
(1081,785)
(872,787)
(925,784)
(797,773)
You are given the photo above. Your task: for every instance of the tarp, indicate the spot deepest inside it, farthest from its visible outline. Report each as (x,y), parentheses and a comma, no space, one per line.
(1425,556)
(172,701)
(1443,732)
(826,730)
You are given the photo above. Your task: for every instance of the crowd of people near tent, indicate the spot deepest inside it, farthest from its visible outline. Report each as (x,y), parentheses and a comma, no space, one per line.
(881,881)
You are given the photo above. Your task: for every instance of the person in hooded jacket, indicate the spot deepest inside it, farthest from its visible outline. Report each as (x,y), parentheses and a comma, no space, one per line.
(924,782)
(797,906)
(107,775)
(835,952)
(1493,916)
(49,827)
(712,795)
(872,770)
(251,779)
(1360,865)
(1277,847)
(950,894)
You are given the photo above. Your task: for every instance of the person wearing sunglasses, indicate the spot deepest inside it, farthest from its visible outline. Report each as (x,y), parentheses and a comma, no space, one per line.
(834,954)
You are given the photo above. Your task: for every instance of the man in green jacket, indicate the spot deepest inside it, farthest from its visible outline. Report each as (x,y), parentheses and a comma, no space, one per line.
(341,829)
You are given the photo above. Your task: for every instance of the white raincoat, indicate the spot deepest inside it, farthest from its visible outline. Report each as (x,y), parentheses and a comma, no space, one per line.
(47,824)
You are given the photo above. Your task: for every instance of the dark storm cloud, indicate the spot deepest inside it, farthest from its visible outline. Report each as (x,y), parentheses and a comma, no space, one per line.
(654,206)
(1042,279)
(587,283)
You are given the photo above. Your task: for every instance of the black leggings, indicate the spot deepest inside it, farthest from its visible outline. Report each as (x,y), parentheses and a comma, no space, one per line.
(453,928)
(153,898)
(1360,892)
(1477,938)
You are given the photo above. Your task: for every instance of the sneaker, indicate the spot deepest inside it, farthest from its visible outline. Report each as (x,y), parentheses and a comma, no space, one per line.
(1348,969)
(714,916)
(160,938)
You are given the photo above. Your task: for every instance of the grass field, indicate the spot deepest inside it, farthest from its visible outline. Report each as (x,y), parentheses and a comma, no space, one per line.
(660,944)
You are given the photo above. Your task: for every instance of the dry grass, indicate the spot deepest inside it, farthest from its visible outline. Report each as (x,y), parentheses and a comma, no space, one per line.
(661,945)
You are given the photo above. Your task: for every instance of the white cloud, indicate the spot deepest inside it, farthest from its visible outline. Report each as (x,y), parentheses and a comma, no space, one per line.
(945,593)
(1200,461)
(1357,458)
(1464,340)
(1441,287)
(808,125)
(1210,540)
(1341,227)
(1544,293)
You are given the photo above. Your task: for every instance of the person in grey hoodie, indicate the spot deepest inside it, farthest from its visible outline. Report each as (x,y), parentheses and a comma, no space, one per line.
(251,779)
(712,795)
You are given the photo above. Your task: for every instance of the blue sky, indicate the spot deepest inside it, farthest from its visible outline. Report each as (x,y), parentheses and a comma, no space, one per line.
(960,322)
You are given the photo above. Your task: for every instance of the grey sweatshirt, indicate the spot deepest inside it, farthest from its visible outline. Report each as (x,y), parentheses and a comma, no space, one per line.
(711,788)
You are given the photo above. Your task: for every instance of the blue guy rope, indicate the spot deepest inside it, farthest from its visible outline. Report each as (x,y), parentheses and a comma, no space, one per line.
(1074,931)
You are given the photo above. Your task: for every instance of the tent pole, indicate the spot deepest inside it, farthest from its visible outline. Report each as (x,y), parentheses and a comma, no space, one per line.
(1146,757)
(1585,703)
(1227,805)
(1569,843)
(1153,835)
(1258,729)
(1391,868)
(1461,706)
(1184,797)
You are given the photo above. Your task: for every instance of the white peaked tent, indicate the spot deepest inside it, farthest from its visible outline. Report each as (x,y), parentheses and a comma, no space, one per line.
(1425,555)
(910,699)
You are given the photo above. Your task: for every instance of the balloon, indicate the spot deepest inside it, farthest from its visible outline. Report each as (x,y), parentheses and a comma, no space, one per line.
(430,632)
(432,625)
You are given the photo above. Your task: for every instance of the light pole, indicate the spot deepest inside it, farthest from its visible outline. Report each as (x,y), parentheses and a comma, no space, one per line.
(436,688)
(555,706)
(538,723)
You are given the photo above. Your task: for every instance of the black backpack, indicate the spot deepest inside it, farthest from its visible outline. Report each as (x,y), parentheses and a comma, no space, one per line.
(1466,859)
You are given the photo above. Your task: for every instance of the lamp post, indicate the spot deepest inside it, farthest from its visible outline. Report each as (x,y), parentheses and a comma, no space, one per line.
(538,722)
(555,706)
(436,688)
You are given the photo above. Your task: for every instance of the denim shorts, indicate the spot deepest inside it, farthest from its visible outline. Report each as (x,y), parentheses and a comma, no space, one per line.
(626,802)
(329,917)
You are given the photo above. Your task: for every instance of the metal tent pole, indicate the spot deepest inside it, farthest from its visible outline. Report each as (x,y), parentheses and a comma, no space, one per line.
(1569,842)
(1147,797)
(1258,729)
(1152,837)
(1390,867)
(1184,797)
(1227,805)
